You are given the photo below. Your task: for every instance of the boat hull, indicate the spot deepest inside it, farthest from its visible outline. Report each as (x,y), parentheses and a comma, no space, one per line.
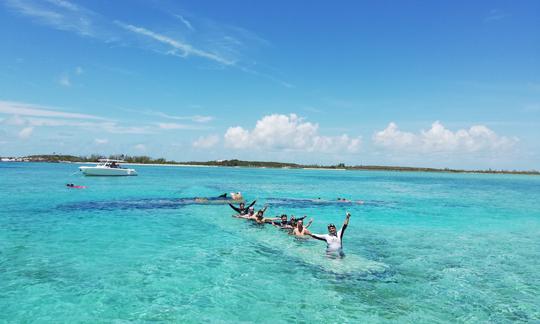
(108,172)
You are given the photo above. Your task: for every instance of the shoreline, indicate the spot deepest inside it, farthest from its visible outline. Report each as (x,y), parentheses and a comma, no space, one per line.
(367,168)
(235,163)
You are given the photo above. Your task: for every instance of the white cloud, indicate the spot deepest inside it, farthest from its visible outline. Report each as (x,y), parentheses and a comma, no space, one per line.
(79,70)
(64,80)
(195,118)
(140,147)
(440,139)
(64,4)
(185,22)
(170,126)
(221,43)
(393,137)
(184,48)
(101,141)
(26,132)
(63,15)
(288,132)
(495,14)
(25,109)
(15,120)
(206,142)
(37,116)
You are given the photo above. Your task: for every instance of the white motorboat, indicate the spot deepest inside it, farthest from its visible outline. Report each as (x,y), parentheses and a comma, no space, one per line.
(107,167)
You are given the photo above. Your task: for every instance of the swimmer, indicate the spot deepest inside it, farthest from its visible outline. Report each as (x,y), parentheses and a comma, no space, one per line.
(71,185)
(301,230)
(242,210)
(293,220)
(237,195)
(283,223)
(250,215)
(260,219)
(333,238)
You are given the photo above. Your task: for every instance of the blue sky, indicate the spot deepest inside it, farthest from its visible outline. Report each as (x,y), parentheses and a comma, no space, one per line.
(441,84)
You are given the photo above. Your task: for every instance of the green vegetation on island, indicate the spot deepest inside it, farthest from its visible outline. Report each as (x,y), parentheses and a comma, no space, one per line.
(248,164)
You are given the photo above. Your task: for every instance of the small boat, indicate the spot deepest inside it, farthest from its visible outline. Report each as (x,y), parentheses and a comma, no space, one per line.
(107,167)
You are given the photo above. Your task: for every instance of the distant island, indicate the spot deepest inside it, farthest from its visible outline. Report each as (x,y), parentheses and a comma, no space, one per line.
(59,158)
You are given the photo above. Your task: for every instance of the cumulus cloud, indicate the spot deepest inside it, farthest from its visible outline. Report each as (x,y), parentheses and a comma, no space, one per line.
(26,132)
(101,141)
(288,132)
(206,141)
(440,139)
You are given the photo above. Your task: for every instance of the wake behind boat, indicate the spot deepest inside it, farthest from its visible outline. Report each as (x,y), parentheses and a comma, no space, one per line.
(107,167)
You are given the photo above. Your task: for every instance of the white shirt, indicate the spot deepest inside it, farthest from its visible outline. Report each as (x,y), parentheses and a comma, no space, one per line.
(333,242)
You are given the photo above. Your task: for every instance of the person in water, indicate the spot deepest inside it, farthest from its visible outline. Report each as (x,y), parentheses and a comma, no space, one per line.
(260,219)
(334,238)
(293,220)
(71,185)
(301,230)
(242,209)
(250,215)
(283,223)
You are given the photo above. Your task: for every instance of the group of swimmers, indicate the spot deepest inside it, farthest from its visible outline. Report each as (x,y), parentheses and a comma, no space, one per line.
(295,226)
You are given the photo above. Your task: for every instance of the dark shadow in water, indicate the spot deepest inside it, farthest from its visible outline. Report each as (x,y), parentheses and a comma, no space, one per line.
(309,203)
(176,203)
(144,204)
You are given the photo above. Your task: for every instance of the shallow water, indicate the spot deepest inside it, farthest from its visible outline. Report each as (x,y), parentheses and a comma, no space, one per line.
(423,247)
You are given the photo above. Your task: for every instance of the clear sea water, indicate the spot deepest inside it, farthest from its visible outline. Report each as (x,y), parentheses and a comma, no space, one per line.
(424,247)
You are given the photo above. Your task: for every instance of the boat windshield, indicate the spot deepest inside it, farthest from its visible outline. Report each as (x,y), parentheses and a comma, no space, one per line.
(108,164)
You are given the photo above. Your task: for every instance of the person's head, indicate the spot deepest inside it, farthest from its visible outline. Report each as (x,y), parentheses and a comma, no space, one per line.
(260,214)
(332,229)
(293,221)
(284,218)
(251,210)
(300,224)
(242,205)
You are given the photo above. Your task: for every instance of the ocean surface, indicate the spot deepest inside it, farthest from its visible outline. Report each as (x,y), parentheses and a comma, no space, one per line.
(423,247)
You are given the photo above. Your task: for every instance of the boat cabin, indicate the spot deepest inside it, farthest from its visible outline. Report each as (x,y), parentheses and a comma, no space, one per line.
(108,163)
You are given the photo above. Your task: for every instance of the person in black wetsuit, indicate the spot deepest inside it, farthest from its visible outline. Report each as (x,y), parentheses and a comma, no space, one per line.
(293,220)
(242,209)
(283,223)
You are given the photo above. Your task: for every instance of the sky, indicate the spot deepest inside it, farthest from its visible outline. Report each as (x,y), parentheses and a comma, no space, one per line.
(412,83)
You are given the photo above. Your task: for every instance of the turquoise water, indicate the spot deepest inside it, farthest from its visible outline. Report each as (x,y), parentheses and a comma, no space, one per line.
(424,247)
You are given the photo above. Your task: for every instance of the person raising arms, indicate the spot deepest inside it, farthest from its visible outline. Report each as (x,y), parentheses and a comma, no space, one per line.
(301,230)
(334,239)
(250,214)
(260,219)
(242,209)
